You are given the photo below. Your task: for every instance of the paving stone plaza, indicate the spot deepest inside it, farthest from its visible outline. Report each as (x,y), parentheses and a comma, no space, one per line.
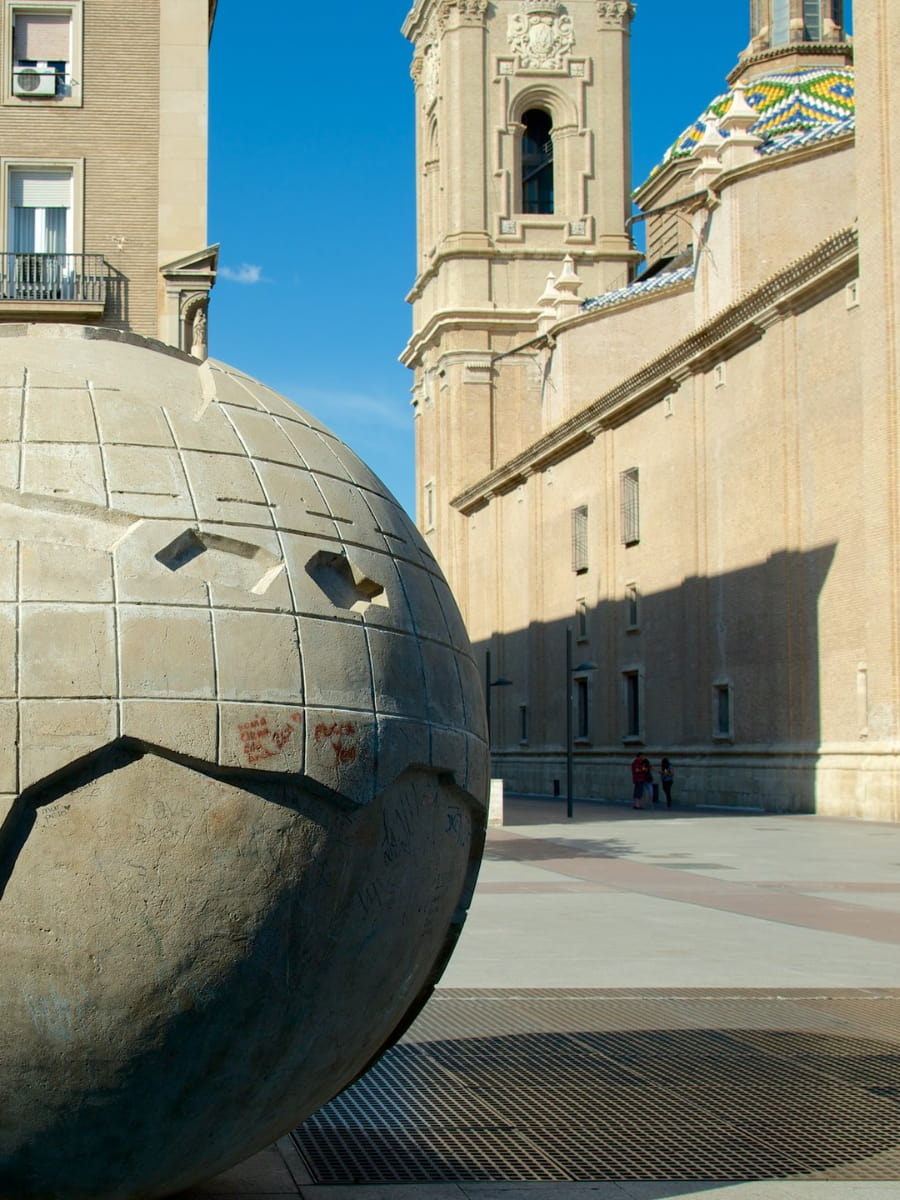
(643,1005)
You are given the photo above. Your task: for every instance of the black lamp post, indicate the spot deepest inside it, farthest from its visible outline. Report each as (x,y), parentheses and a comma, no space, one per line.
(488,684)
(571,672)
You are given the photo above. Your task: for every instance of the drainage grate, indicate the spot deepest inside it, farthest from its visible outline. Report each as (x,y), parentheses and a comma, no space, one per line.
(590,1085)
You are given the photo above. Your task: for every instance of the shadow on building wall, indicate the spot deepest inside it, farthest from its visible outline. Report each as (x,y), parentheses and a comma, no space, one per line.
(722,674)
(117,297)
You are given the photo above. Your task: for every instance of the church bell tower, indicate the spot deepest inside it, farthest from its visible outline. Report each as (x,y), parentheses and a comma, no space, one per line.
(522,131)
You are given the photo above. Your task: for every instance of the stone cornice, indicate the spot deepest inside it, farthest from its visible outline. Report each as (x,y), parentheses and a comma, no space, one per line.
(615,14)
(584,256)
(739,324)
(446,13)
(490,320)
(801,49)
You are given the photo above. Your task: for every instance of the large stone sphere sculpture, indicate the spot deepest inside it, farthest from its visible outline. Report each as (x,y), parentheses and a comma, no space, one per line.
(242,765)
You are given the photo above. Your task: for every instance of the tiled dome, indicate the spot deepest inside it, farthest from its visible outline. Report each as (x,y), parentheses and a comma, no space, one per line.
(818,101)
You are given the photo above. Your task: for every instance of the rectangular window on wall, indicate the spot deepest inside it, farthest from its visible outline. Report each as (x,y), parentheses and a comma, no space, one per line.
(580,539)
(629,485)
(523,724)
(40,211)
(581,620)
(812,19)
(41,232)
(632,606)
(428,507)
(582,711)
(44,47)
(633,714)
(722,713)
(780,34)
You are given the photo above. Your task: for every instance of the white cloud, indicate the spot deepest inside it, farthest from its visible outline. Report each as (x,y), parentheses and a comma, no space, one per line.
(368,414)
(246,273)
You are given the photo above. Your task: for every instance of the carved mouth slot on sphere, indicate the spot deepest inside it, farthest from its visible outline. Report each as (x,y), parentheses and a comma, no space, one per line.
(228,560)
(345,585)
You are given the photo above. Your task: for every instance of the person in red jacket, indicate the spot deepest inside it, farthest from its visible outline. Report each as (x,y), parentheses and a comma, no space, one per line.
(641,778)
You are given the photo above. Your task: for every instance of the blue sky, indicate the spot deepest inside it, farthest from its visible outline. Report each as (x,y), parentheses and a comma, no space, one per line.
(312,193)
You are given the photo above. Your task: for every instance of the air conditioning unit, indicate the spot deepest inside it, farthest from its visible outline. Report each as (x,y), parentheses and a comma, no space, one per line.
(34,81)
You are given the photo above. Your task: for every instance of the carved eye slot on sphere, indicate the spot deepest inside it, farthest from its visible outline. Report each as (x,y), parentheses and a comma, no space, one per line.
(345,585)
(228,560)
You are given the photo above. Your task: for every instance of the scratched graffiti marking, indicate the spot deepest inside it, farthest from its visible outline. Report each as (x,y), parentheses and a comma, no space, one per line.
(342,738)
(260,740)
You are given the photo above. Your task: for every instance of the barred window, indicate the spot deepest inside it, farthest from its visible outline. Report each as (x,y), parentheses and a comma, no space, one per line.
(580,539)
(630,499)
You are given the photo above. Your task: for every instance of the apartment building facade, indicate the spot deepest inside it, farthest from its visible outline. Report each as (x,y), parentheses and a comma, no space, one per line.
(103,166)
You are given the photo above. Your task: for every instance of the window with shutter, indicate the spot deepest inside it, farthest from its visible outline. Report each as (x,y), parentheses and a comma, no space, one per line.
(42,225)
(42,37)
(40,204)
(630,497)
(43,43)
(580,539)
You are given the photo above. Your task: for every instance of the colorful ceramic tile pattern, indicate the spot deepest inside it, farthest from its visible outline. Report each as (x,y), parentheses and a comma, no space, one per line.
(810,99)
(657,283)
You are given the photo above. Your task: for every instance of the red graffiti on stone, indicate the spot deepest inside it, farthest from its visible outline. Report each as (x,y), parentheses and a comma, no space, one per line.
(342,739)
(261,741)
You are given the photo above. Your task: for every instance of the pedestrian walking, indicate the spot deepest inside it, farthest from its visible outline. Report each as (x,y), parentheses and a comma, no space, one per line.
(667,777)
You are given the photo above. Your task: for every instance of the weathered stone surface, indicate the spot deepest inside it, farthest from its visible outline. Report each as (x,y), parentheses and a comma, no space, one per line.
(243,768)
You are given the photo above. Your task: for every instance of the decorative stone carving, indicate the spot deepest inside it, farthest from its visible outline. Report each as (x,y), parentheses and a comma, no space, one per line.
(615,14)
(431,72)
(194,320)
(470,12)
(187,286)
(541,35)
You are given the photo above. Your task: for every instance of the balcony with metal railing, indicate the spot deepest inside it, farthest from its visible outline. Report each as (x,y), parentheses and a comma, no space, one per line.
(53,287)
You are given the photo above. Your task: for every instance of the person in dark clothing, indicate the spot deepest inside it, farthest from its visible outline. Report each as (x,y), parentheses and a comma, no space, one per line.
(667,777)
